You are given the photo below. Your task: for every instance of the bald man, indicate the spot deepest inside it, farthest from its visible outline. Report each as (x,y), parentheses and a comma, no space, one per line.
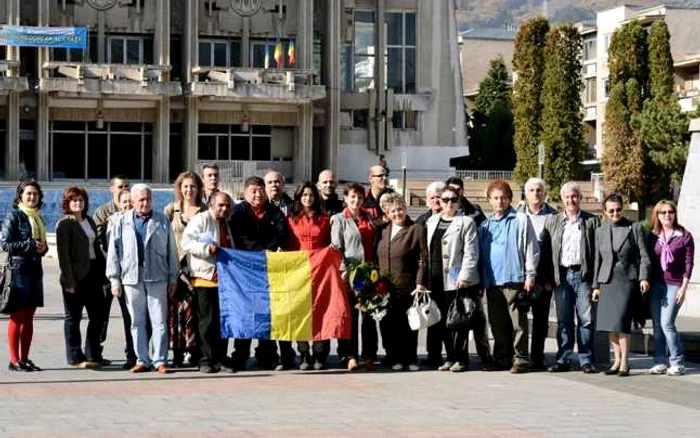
(326,184)
(378,185)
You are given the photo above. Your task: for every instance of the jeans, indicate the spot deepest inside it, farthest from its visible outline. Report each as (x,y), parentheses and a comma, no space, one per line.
(662,303)
(149,300)
(129,352)
(573,296)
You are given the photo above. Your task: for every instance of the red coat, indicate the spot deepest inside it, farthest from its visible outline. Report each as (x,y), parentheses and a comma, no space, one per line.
(309,232)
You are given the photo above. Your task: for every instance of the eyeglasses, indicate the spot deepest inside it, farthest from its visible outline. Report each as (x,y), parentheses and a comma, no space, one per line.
(381,175)
(666,212)
(448,200)
(614,210)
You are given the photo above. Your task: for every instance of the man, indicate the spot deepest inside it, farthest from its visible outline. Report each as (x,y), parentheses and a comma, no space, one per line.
(142,258)
(378,178)
(327,184)
(432,200)
(102,215)
(210,178)
(571,239)
(205,233)
(258,226)
(274,189)
(540,298)
(466,207)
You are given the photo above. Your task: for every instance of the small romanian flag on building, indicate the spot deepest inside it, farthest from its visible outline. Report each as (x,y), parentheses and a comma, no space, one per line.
(267,56)
(292,53)
(278,53)
(286,296)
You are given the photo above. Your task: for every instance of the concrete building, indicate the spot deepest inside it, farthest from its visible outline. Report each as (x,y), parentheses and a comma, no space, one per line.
(165,85)
(685,48)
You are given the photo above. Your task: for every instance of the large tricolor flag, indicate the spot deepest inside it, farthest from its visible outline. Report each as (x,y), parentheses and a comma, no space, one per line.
(287,296)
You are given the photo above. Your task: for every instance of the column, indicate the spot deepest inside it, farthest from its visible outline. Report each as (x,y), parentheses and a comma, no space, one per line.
(305,34)
(12,133)
(42,124)
(161,140)
(191,58)
(380,79)
(189,136)
(331,78)
(245,43)
(303,143)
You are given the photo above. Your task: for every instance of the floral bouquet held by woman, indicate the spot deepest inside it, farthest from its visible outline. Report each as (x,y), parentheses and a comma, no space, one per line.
(372,289)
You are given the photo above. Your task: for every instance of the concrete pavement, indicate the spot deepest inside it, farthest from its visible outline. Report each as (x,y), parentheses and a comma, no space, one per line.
(110,402)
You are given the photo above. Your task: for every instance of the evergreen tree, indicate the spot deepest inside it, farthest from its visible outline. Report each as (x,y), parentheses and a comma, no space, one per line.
(660,60)
(562,123)
(528,69)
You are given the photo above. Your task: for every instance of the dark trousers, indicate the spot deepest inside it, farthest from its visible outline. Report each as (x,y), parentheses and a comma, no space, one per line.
(265,353)
(509,326)
(88,294)
(287,353)
(456,340)
(212,347)
(348,348)
(540,325)
(129,352)
(320,350)
(400,342)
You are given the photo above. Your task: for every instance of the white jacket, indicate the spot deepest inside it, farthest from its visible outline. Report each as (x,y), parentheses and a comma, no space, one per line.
(460,251)
(201,230)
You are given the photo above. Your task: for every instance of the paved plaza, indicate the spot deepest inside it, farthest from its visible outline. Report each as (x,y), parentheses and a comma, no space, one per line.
(110,402)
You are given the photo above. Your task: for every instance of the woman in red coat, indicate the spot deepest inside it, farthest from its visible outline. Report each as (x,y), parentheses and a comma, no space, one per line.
(309,228)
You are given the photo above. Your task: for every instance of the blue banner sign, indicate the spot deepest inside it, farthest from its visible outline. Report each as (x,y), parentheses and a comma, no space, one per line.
(64,37)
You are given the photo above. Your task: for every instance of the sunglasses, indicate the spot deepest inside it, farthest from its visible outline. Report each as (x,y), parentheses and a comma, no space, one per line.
(381,175)
(614,210)
(665,212)
(447,200)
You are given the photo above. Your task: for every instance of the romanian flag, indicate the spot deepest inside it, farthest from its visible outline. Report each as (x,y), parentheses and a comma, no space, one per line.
(292,53)
(267,56)
(278,52)
(287,296)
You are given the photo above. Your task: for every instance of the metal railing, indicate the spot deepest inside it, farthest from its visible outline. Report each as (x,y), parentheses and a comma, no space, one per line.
(485,175)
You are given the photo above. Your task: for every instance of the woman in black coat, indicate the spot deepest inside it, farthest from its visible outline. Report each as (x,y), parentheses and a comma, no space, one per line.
(23,238)
(82,279)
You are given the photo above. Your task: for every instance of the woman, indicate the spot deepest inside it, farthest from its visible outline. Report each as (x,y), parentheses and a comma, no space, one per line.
(621,269)
(182,316)
(671,249)
(402,252)
(353,233)
(309,228)
(509,253)
(452,256)
(23,237)
(82,279)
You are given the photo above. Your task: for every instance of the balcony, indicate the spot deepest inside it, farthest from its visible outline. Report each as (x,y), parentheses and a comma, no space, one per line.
(590,113)
(145,81)
(689,100)
(257,85)
(11,83)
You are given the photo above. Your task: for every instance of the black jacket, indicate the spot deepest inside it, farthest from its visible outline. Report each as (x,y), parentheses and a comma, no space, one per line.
(332,205)
(472,210)
(249,234)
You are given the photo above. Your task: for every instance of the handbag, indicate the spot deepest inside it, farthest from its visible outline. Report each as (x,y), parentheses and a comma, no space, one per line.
(424,312)
(5,283)
(460,312)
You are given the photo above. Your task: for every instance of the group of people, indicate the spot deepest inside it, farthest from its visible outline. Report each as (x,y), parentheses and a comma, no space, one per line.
(161,267)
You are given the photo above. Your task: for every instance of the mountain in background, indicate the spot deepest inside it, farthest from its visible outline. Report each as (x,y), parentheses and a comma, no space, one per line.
(512,13)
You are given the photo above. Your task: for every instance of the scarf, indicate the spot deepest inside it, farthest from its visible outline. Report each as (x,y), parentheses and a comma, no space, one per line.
(35,220)
(666,254)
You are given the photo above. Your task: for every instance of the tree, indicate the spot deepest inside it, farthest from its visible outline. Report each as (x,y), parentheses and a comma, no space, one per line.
(528,69)
(491,136)
(660,60)
(624,151)
(562,123)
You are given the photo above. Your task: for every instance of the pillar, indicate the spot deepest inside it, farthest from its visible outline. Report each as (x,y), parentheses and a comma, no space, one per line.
(303,143)
(13,110)
(331,78)
(43,151)
(161,143)
(191,58)
(305,35)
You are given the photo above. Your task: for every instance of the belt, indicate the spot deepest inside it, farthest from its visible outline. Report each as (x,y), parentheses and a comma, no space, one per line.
(575,268)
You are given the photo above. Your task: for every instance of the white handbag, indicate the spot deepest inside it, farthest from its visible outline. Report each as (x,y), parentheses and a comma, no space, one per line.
(424,312)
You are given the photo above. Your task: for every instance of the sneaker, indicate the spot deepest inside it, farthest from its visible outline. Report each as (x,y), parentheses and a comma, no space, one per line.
(397,367)
(458,367)
(658,369)
(352,364)
(676,370)
(318,366)
(413,367)
(305,366)
(280,367)
(445,367)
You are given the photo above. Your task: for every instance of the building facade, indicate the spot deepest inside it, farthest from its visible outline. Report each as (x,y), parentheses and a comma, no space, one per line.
(296,85)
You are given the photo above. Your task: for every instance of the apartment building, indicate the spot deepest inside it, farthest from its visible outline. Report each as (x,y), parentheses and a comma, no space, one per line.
(296,85)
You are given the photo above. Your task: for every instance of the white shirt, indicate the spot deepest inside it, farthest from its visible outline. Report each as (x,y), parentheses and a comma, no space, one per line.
(91,237)
(395,230)
(571,242)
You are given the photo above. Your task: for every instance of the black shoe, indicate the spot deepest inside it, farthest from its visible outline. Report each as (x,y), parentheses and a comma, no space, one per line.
(624,372)
(587,368)
(129,364)
(19,366)
(558,367)
(611,371)
(538,366)
(30,365)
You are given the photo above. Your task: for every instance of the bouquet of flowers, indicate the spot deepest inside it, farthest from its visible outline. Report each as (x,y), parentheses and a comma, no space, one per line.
(372,288)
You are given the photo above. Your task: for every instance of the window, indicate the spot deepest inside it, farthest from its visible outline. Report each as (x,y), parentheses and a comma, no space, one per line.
(364,51)
(590,90)
(231,143)
(589,50)
(360,118)
(3,52)
(2,145)
(68,55)
(405,120)
(400,54)
(606,87)
(213,53)
(130,50)
(346,83)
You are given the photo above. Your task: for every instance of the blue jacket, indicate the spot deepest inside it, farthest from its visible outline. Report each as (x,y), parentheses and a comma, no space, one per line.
(160,252)
(25,261)
(522,250)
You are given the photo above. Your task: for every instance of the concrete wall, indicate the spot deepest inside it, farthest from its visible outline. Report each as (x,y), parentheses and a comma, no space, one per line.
(689,215)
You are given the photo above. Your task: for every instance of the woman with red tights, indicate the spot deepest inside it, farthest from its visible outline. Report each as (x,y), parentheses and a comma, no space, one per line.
(23,237)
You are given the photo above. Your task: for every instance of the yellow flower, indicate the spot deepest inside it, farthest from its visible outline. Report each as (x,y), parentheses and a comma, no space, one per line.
(374,276)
